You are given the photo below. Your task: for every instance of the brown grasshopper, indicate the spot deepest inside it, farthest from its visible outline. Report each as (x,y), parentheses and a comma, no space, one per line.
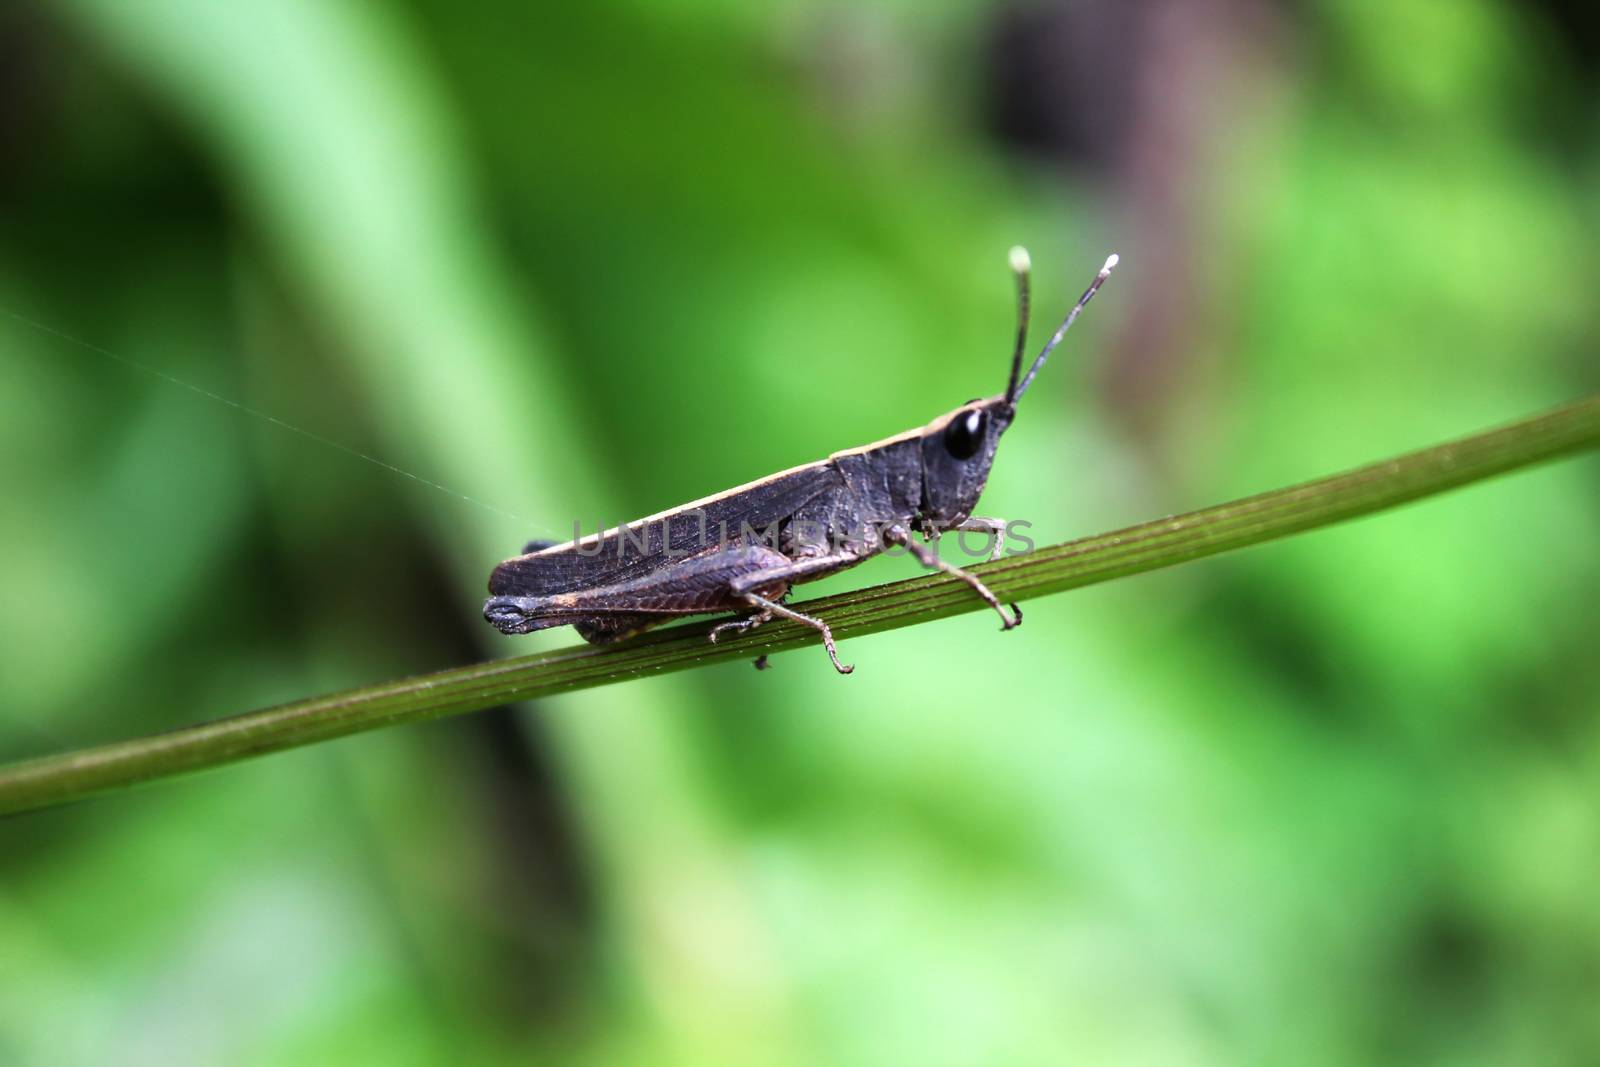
(794,526)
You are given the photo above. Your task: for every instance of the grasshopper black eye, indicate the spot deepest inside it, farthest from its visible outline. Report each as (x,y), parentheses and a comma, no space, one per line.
(965,433)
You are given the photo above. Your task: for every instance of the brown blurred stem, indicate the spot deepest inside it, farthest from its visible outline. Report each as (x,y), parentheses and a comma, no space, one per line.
(1149,546)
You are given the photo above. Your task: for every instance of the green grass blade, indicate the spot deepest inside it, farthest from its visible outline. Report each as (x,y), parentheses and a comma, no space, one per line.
(1149,546)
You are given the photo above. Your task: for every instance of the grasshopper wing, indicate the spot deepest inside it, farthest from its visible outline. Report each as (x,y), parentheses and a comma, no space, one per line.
(620,556)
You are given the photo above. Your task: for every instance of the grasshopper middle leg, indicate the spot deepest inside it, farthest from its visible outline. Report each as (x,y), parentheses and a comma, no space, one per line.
(739,626)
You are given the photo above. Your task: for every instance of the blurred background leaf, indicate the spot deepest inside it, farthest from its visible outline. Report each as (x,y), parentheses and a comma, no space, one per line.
(1330,801)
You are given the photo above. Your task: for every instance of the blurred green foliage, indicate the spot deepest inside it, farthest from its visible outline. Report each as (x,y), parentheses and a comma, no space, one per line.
(1328,802)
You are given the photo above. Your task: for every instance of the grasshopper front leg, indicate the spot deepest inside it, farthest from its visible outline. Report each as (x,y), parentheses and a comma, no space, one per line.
(995,528)
(926,556)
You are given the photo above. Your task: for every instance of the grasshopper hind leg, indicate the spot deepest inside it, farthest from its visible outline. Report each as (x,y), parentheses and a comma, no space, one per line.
(777,581)
(770,608)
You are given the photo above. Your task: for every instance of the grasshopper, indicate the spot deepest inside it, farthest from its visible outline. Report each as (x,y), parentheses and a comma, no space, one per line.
(794,526)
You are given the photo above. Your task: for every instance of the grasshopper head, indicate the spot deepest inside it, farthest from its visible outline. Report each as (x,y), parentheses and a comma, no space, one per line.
(958,448)
(957,452)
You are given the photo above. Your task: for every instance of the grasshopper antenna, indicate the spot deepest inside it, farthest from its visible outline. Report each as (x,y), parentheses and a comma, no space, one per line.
(1014,393)
(1021,265)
